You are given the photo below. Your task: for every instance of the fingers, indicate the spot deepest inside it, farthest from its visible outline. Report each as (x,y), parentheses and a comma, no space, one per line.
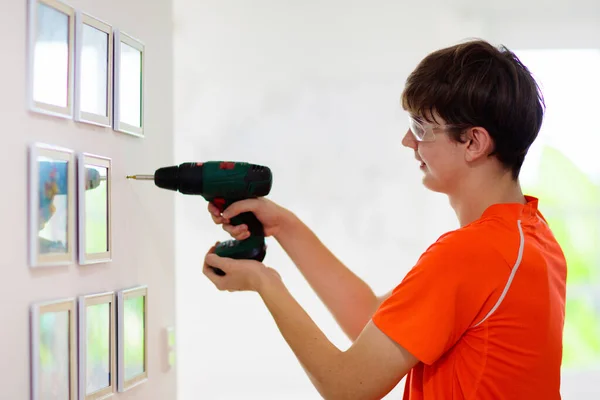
(240,207)
(215,261)
(239,232)
(216,215)
(212,261)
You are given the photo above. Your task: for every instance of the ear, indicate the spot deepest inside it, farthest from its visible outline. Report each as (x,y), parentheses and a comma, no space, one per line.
(479,144)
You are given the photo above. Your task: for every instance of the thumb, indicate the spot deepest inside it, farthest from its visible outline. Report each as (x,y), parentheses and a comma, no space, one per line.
(214,260)
(240,207)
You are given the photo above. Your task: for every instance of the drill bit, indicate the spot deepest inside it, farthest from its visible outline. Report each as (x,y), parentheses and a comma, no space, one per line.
(141,177)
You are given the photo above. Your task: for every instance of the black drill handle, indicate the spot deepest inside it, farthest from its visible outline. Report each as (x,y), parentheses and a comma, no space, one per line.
(256,229)
(252,248)
(254,225)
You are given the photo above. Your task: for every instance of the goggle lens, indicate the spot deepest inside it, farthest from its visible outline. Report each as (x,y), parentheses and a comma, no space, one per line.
(419,131)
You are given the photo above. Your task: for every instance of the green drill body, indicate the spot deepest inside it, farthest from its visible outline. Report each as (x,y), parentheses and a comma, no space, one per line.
(222,183)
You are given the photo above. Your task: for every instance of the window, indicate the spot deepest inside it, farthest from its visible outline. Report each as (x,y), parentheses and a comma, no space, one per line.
(563,170)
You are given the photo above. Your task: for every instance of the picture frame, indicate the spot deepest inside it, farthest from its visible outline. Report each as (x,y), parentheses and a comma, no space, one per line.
(50,59)
(129,84)
(132,337)
(53,353)
(97,346)
(93,70)
(52,194)
(94,194)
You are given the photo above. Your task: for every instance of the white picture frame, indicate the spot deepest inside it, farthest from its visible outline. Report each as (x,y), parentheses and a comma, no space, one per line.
(93,324)
(50,57)
(129,84)
(52,195)
(59,348)
(131,370)
(94,195)
(93,70)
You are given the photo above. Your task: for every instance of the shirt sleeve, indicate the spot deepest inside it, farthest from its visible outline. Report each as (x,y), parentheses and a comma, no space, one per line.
(442,295)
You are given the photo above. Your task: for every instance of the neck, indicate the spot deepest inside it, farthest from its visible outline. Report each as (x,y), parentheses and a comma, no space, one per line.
(475,196)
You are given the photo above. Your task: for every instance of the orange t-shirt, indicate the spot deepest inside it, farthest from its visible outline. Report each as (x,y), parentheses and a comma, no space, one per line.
(483,310)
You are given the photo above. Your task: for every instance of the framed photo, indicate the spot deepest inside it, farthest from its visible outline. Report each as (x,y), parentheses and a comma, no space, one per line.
(51,41)
(94,199)
(53,350)
(129,89)
(132,337)
(51,205)
(93,71)
(97,352)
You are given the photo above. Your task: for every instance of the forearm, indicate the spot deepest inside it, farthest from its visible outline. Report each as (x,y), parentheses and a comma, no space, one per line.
(350,300)
(322,361)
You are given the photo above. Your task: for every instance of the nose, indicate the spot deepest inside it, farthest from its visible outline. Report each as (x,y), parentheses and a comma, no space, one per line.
(409,140)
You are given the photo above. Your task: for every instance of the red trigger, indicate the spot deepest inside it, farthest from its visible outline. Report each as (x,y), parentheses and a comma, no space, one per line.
(219,202)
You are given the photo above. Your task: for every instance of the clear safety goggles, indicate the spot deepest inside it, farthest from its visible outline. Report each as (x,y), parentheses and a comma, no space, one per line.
(421,132)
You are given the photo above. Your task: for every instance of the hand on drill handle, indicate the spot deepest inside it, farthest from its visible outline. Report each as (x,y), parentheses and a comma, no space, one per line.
(240,275)
(270,214)
(244,274)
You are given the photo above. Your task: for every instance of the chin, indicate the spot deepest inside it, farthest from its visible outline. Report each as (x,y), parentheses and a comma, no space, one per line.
(430,183)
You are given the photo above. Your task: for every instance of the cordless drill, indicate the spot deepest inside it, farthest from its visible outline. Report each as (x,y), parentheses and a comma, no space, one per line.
(222,183)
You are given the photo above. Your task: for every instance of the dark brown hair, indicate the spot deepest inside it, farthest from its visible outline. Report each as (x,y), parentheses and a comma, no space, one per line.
(476,84)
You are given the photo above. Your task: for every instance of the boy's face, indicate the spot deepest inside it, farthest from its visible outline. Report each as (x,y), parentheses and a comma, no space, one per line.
(442,160)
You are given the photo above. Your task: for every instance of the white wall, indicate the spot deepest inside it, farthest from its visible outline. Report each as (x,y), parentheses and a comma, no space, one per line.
(310,89)
(143,230)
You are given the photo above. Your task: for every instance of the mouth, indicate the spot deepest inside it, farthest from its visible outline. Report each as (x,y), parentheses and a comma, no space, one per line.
(422,163)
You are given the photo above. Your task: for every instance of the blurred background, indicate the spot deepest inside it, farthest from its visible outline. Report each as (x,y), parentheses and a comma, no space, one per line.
(312,90)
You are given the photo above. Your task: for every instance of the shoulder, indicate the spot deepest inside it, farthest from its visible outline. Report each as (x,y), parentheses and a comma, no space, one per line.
(473,255)
(446,290)
(474,242)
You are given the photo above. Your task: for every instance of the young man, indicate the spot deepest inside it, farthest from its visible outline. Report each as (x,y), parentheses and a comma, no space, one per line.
(480,315)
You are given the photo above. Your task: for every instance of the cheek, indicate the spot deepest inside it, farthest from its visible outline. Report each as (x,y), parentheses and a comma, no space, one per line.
(440,161)
(425,152)
(431,155)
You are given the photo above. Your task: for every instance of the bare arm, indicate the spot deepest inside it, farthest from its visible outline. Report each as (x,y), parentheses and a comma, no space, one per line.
(368,370)
(349,299)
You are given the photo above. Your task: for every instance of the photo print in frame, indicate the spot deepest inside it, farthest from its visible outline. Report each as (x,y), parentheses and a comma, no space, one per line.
(53,350)
(97,346)
(52,195)
(51,43)
(94,211)
(93,70)
(129,88)
(132,337)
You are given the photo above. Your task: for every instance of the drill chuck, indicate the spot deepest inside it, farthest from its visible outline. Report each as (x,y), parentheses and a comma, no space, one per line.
(179,178)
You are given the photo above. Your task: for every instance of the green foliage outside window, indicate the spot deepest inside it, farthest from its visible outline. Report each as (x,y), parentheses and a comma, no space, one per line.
(570,202)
